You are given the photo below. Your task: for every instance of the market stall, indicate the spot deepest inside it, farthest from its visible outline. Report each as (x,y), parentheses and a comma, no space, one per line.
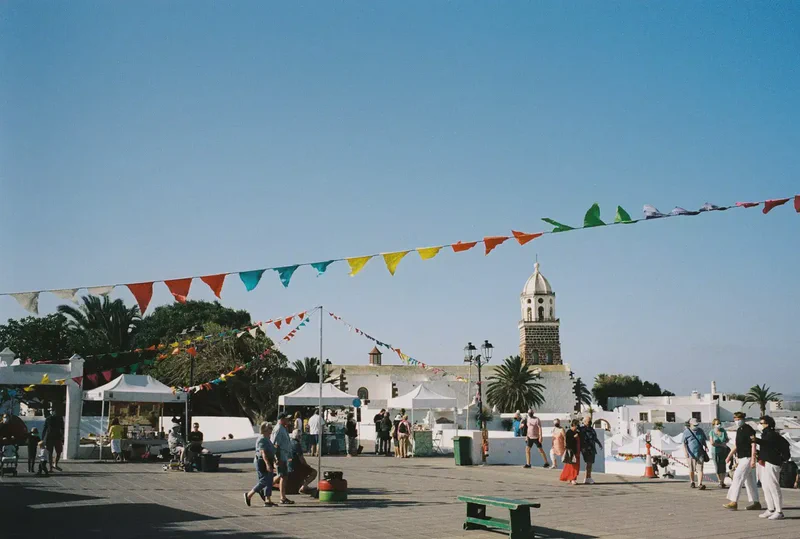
(308,395)
(422,398)
(138,402)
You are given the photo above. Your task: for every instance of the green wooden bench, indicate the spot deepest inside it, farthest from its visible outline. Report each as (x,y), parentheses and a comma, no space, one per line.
(518,526)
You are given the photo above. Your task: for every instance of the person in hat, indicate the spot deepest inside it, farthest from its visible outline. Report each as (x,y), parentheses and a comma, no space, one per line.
(694,449)
(744,449)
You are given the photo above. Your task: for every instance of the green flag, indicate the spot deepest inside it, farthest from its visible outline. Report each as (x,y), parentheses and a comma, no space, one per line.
(622,216)
(592,217)
(559,227)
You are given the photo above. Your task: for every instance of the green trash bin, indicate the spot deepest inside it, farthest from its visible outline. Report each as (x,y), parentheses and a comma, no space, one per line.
(462,447)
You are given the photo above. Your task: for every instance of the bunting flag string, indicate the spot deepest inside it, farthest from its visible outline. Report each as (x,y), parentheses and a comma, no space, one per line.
(179,288)
(405,358)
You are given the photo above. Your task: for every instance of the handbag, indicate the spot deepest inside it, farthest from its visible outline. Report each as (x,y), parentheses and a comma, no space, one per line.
(704,456)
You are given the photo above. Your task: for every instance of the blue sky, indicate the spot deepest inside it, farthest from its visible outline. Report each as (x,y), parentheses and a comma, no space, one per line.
(154,140)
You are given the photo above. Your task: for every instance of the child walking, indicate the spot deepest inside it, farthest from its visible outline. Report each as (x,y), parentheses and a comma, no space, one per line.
(44,459)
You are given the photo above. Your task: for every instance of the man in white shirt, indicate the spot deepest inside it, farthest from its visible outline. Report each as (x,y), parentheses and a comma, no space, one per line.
(313,430)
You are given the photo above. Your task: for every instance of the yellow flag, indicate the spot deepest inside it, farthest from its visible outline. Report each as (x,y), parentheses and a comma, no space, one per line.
(426,253)
(45,379)
(357,264)
(174,344)
(62,381)
(393,259)
(29,388)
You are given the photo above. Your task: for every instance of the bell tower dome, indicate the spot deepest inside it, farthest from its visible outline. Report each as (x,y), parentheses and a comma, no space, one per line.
(539,341)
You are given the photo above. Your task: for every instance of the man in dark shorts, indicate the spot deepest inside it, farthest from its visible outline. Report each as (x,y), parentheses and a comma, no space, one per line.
(53,437)
(533,437)
(195,442)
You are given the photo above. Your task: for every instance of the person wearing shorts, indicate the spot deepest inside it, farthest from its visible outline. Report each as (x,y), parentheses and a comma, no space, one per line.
(533,437)
(313,431)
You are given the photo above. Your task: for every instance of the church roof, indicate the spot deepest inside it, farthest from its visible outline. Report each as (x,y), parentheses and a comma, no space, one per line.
(536,284)
(375,351)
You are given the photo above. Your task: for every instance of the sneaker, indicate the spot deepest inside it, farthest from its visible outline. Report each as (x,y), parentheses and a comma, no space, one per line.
(58,468)
(546,465)
(733,506)
(692,485)
(702,487)
(247,499)
(765,514)
(588,481)
(776,516)
(527,466)
(753,507)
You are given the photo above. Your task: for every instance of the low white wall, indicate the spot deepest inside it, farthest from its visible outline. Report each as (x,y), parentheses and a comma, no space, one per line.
(215,428)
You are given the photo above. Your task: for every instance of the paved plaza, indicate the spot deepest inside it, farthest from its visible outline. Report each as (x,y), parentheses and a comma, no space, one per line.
(389,498)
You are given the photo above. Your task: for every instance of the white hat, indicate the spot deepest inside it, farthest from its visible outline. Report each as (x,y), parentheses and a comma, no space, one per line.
(693,421)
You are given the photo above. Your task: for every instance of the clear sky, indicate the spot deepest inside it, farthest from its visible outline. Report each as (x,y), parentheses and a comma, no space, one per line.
(150,140)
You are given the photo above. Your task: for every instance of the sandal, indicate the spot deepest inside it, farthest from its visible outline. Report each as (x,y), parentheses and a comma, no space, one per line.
(287,501)
(270,504)
(247,499)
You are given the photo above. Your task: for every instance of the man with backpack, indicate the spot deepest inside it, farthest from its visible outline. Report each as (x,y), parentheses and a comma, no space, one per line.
(773,452)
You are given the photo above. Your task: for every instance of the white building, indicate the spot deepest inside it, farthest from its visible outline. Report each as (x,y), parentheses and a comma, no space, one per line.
(540,345)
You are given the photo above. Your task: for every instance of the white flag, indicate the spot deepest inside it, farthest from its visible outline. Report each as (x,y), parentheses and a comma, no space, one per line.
(28,300)
(67,293)
(100,290)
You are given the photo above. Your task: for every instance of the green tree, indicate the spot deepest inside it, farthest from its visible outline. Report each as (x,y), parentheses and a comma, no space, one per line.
(514,386)
(45,338)
(102,325)
(307,370)
(582,394)
(167,322)
(761,395)
(623,385)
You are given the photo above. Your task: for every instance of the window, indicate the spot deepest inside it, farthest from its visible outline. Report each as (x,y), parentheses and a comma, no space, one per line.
(529,301)
(698,416)
(530,315)
(363,394)
(551,313)
(541,300)
(551,301)
(549,357)
(535,357)
(670,417)
(541,313)
(643,416)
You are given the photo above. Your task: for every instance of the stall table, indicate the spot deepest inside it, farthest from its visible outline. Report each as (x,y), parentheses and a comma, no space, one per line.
(423,443)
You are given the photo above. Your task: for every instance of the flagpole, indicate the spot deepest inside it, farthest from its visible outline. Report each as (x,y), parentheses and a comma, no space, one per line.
(321,416)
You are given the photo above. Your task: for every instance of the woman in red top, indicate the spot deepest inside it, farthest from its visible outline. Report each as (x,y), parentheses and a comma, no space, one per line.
(572,456)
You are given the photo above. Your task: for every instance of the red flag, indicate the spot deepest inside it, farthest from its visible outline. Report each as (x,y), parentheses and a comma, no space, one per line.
(215,282)
(192,351)
(142,292)
(493,241)
(747,204)
(78,379)
(303,314)
(289,320)
(106,375)
(278,324)
(797,203)
(769,204)
(459,246)
(179,288)
(92,378)
(524,238)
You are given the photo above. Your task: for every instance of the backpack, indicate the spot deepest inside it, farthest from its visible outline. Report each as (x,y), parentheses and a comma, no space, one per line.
(788,474)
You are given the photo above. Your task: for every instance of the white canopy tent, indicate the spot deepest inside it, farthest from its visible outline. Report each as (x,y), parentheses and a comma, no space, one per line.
(309,395)
(422,398)
(134,388)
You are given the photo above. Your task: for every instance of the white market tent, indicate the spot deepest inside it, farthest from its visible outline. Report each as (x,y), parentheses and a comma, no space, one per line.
(134,388)
(422,398)
(308,395)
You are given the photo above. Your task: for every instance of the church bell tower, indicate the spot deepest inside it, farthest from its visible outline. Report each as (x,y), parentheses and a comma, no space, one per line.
(539,340)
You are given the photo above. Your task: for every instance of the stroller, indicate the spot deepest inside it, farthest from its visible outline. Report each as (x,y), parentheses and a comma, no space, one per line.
(9,460)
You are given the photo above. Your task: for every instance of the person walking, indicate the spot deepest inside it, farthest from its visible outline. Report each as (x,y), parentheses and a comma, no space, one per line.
(559,444)
(33,445)
(377,420)
(283,452)
(385,434)
(589,444)
(694,449)
(515,425)
(298,421)
(53,438)
(396,434)
(351,430)
(744,449)
(719,443)
(404,437)
(115,435)
(298,465)
(44,459)
(313,431)
(533,437)
(774,450)
(572,454)
(265,467)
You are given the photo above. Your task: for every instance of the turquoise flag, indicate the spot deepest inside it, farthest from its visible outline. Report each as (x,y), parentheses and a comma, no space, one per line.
(592,217)
(285,273)
(321,266)
(251,278)
(559,227)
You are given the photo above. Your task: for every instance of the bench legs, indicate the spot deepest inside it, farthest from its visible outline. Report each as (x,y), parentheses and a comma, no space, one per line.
(521,523)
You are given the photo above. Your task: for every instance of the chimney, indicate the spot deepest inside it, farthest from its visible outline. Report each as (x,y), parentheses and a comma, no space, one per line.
(713,387)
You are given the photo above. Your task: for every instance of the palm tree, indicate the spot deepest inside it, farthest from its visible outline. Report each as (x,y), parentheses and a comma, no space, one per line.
(106,325)
(514,387)
(307,370)
(761,395)
(582,393)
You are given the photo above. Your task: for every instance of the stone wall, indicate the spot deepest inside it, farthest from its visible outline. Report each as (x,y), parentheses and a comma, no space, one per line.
(540,338)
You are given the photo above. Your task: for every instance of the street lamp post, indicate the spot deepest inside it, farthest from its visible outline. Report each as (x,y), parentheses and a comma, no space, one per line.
(479,359)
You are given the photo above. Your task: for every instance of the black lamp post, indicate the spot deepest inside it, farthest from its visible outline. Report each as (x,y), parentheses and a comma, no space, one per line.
(479,359)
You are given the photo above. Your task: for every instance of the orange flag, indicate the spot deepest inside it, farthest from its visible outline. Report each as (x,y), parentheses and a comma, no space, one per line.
(797,203)
(493,241)
(303,314)
(459,246)
(215,282)
(769,204)
(179,288)
(192,351)
(524,238)
(143,292)
(289,320)
(278,324)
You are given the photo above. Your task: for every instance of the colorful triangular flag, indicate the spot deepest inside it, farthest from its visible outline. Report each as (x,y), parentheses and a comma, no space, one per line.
(142,292)
(321,266)
(490,242)
(622,216)
(45,379)
(215,283)
(680,211)
(523,238)
(393,259)
(251,278)
(179,288)
(357,264)
(285,273)
(100,290)
(559,227)
(426,253)
(592,217)
(774,203)
(28,300)
(651,212)
(460,247)
(69,294)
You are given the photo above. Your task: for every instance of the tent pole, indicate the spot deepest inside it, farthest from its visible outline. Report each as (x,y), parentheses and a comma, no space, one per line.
(102,432)
(321,417)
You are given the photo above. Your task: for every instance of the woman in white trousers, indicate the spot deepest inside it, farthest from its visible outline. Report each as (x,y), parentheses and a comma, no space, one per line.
(773,450)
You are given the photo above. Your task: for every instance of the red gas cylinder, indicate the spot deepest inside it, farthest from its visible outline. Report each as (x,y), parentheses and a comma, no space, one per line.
(333,485)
